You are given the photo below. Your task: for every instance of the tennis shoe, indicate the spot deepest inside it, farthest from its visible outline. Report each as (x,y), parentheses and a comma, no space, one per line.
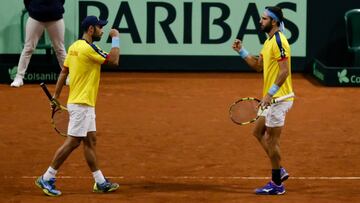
(18,82)
(48,187)
(270,189)
(105,187)
(284,175)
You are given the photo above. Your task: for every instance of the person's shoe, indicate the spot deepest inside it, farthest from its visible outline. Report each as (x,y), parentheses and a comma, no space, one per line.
(18,82)
(271,189)
(107,186)
(284,175)
(48,187)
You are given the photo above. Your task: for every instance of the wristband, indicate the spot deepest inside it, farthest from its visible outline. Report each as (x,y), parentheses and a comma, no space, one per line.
(115,42)
(273,89)
(243,53)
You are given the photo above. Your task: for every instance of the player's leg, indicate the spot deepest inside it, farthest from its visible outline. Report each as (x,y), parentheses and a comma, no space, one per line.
(262,136)
(34,30)
(274,122)
(76,134)
(273,143)
(47,181)
(90,151)
(275,186)
(260,133)
(101,183)
(64,151)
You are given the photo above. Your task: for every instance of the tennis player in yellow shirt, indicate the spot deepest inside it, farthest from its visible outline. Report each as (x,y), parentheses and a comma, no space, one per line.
(83,64)
(275,63)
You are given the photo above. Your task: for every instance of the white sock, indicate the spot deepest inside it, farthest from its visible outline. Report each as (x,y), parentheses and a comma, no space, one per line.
(99,177)
(50,173)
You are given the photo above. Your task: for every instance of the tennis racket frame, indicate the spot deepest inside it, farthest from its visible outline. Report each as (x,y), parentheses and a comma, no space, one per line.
(55,107)
(273,101)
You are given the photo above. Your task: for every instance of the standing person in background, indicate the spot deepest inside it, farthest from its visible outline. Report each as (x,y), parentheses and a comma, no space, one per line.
(275,62)
(83,64)
(43,14)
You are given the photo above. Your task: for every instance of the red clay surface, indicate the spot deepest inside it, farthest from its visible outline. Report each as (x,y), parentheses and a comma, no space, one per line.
(166,137)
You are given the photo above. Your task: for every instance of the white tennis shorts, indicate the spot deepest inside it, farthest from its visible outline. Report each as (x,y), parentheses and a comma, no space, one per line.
(275,114)
(82,120)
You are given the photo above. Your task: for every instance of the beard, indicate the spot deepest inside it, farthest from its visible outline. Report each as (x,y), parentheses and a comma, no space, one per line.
(267,28)
(96,38)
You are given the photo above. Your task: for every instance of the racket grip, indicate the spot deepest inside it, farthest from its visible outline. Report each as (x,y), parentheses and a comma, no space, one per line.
(284,98)
(43,86)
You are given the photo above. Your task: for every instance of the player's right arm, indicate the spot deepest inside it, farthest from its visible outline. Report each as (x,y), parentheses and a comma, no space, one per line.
(254,62)
(114,54)
(60,82)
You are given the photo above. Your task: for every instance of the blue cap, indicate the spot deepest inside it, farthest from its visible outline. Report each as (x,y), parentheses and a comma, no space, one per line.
(92,20)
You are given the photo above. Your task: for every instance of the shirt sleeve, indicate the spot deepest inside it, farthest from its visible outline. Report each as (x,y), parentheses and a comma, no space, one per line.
(97,55)
(66,61)
(280,51)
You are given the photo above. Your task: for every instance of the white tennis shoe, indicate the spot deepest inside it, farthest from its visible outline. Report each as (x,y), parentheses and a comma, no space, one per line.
(18,82)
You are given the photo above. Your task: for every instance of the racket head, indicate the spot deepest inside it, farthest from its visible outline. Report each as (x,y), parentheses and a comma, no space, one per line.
(244,111)
(59,113)
(60,119)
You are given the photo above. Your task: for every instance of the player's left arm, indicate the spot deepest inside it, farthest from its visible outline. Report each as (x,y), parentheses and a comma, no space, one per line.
(283,72)
(114,55)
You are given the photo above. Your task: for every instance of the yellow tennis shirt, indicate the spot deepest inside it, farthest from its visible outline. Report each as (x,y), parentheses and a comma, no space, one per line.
(276,49)
(84,62)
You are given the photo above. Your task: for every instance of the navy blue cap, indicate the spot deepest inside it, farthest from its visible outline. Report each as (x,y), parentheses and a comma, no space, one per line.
(92,20)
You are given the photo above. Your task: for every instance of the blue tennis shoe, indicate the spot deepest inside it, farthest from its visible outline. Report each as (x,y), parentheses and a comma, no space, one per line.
(48,187)
(283,174)
(271,189)
(105,187)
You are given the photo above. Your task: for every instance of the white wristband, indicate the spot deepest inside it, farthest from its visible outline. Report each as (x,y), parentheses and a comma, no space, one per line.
(115,42)
(273,89)
(243,53)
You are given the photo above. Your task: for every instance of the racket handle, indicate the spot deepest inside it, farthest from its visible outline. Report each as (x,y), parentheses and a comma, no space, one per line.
(279,99)
(43,86)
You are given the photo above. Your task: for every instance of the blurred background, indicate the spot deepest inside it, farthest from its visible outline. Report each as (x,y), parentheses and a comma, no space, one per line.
(196,36)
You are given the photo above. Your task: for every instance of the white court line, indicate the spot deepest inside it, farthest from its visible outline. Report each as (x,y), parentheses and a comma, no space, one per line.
(195,177)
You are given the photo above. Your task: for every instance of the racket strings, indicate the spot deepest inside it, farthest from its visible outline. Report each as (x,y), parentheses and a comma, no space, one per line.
(60,120)
(244,111)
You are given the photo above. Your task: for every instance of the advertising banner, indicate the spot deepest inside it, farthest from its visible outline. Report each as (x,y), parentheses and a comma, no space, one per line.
(178,28)
(336,76)
(163,35)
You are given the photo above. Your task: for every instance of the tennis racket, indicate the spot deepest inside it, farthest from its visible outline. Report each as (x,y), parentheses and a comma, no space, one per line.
(59,113)
(245,110)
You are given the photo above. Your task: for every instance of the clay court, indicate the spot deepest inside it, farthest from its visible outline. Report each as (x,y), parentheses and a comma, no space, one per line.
(166,137)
